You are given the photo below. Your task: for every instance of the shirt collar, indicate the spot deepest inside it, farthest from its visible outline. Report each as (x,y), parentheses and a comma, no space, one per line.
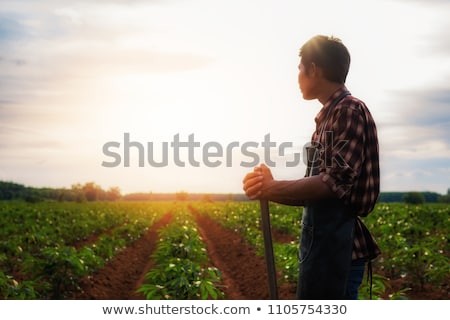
(320,117)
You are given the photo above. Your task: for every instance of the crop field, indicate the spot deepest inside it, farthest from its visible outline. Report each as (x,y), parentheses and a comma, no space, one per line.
(199,250)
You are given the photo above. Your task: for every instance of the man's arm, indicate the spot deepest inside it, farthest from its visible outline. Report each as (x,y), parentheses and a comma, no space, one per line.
(260,184)
(297,191)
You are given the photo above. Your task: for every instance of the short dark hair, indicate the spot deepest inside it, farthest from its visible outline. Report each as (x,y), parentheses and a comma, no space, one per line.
(328,53)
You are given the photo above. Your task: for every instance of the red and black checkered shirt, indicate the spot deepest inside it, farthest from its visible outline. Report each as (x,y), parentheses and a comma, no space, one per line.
(350,161)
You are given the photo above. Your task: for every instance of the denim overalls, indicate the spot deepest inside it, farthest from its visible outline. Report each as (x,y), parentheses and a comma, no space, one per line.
(326,243)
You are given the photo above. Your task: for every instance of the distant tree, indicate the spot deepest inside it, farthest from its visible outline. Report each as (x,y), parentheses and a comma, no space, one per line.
(431,197)
(101,194)
(31,195)
(113,193)
(61,195)
(206,198)
(90,191)
(78,193)
(446,197)
(11,190)
(414,198)
(140,196)
(181,196)
(391,197)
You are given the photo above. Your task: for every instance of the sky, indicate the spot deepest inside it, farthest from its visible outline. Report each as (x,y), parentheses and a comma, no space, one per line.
(87,88)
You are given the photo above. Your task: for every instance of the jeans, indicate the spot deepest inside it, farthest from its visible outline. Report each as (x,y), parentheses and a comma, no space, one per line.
(355,278)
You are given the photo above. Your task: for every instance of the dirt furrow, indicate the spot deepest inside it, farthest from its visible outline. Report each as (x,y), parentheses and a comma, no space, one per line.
(124,274)
(244,272)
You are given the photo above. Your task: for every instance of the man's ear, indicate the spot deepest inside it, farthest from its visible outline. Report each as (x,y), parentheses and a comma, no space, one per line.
(315,71)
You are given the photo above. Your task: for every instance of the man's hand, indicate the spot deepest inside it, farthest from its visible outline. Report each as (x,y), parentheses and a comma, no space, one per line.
(257,181)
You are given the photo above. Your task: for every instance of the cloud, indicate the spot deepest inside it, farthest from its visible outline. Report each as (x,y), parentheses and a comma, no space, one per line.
(440,46)
(419,126)
(426,108)
(400,174)
(435,43)
(11,29)
(414,141)
(55,50)
(66,41)
(425,2)
(105,62)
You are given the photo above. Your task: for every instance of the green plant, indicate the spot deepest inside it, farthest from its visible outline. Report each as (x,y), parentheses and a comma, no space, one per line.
(17,290)
(61,267)
(182,268)
(182,279)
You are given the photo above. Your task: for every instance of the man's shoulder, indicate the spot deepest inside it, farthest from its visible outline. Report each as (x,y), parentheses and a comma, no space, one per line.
(352,101)
(355,111)
(353,104)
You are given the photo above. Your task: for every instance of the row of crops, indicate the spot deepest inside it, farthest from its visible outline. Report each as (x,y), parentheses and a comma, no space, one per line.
(182,267)
(414,242)
(47,248)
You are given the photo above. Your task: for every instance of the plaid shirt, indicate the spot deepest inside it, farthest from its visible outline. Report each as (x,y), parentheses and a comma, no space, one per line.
(349,161)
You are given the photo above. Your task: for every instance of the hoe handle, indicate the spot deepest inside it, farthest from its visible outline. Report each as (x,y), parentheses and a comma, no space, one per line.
(268,249)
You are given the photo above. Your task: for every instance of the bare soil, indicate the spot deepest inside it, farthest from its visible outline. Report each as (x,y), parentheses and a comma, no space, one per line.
(124,274)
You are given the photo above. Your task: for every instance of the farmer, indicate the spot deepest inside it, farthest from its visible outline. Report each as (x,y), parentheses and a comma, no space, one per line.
(341,181)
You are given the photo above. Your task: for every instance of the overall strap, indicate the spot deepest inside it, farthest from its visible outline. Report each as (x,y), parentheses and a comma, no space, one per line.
(333,104)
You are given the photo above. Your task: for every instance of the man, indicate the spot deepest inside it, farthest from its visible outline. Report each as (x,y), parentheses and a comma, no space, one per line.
(341,183)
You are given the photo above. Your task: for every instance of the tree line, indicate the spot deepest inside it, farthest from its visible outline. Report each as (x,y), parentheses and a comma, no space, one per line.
(78,192)
(414,197)
(90,191)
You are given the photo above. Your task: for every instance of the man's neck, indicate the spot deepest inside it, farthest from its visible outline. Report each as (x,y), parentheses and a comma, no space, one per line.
(327,90)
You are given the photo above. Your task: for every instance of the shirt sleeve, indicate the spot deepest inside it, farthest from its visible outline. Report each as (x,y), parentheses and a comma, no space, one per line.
(343,150)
